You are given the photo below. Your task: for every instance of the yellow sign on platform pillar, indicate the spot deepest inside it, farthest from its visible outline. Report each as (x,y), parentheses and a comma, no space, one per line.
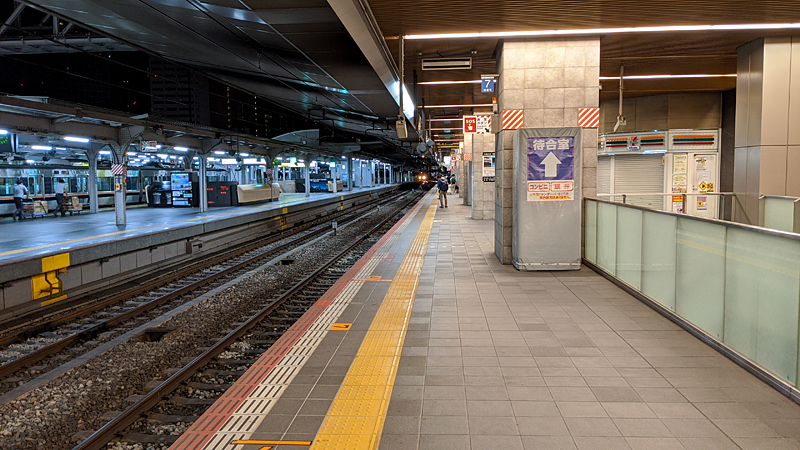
(48,287)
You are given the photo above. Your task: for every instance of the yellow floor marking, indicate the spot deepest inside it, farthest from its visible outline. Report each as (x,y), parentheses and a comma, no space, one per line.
(341,326)
(356,416)
(256,442)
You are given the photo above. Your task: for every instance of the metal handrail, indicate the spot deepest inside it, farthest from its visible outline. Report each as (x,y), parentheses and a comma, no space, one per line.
(725,223)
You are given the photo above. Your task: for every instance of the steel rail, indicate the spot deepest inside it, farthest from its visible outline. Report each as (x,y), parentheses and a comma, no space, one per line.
(32,358)
(107,432)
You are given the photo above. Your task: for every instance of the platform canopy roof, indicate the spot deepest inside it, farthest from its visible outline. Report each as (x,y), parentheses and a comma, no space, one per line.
(337,59)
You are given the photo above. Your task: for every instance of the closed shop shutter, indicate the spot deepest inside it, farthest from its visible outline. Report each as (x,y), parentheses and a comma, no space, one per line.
(640,174)
(604,175)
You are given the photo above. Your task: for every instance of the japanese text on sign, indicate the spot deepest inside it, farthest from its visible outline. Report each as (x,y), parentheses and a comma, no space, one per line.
(551,169)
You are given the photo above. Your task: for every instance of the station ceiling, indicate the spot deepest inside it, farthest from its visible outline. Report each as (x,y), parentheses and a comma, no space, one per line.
(299,54)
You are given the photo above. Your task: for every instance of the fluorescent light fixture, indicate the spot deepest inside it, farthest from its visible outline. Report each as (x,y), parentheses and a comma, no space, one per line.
(196,158)
(41,147)
(105,152)
(76,139)
(162,155)
(301,160)
(473,105)
(30,161)
(244,155)
(450,82)
(659,77)
(180,149)
(603,31)
(131,153)
(3,132)
(219,152)
(61,148)
(279,158)
(250,160)
(158,146)
(229,161)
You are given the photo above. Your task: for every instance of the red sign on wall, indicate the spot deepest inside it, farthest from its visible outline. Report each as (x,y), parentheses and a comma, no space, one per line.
(470,124)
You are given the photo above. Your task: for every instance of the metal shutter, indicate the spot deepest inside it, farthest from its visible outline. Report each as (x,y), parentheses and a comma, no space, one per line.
(640,174)
(604,175)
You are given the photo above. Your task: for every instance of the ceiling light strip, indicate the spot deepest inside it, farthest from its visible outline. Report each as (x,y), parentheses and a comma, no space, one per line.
(476,105)
(450,82)
(596,31)
(658,77)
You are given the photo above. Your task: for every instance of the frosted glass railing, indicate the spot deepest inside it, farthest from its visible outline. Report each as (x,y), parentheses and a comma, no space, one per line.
(779,213)
(740,284)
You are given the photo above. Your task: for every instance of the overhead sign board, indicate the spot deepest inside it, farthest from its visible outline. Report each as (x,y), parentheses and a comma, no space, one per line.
(487,85)
(551,169)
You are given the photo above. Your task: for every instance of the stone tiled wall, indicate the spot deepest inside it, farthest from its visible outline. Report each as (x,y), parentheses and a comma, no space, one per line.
(483,193)
(550,80)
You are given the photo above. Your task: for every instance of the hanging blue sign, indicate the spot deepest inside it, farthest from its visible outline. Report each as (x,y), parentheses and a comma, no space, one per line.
(487,85)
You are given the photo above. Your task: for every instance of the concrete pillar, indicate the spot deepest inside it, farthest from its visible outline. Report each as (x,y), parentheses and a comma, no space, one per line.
(120,194)
(549,80)
(203,182)
(308,177)
(767,138)
(480,193)
(350,173)
(92,155)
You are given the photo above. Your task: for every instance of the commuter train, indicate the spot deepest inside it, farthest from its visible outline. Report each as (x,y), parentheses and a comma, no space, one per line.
(40,181)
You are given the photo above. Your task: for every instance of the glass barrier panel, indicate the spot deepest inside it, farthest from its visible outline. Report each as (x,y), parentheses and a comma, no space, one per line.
(700,287)
(629,246)
(607,236)
(590,231)
(762,300)
(658,258)
(779,213)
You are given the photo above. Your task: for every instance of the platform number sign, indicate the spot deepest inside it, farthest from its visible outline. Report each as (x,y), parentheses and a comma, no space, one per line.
(487,85)
(551,169)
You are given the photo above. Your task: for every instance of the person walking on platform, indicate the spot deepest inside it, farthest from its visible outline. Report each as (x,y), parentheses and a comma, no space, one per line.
(443,187)
(60,189)
(20,192)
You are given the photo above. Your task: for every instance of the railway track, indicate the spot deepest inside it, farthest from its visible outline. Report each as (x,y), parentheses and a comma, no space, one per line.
(191,389)
(68,329)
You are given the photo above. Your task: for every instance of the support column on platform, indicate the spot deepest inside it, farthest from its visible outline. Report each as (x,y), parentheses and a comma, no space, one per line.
(767,136)
(549,80)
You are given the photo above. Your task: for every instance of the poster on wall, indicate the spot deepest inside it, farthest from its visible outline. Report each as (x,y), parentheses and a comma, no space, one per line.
(488,166)
(680,163)
(702,203)
(704,165)
(679,184)
(551,169)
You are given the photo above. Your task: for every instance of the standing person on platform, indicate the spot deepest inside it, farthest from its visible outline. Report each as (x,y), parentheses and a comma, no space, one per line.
(20,192)
(443,187)
(60,189)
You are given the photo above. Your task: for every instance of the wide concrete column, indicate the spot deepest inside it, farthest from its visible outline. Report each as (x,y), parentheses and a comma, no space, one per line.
(549,80)
(481,193)
(767,136)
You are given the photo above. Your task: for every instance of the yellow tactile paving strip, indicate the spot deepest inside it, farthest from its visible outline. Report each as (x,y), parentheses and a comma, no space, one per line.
(356,416)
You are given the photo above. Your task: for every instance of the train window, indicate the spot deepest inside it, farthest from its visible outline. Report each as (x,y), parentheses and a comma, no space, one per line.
(82,184)
(104,184)
(35,185)
(7,186)
(132,184)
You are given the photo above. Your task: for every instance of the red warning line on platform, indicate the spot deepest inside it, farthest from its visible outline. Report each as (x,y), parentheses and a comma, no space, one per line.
(203,430)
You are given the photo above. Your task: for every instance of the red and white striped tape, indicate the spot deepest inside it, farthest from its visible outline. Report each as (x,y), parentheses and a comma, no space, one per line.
(589,117)
(118,169)
(513,119)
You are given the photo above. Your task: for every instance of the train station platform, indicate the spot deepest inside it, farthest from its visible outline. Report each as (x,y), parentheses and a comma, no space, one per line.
(428,342)
(97,249)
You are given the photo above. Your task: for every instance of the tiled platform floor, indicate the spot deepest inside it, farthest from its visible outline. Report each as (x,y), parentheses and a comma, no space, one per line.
(500,359)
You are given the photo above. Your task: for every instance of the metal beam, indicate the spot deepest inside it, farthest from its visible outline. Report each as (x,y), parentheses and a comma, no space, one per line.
(11,18)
